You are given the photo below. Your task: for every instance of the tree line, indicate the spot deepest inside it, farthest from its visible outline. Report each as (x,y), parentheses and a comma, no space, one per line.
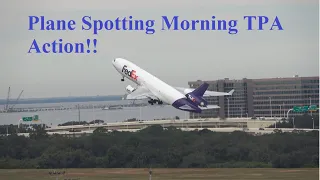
(155,147)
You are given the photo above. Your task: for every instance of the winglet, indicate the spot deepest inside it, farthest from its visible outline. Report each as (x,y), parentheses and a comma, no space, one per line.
(231,92)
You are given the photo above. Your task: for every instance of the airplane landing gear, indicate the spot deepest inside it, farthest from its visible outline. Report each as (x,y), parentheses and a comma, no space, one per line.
(150,102)
(122,79)
(153,101)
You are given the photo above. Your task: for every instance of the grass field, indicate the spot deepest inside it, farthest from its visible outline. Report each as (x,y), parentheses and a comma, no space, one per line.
(163,174)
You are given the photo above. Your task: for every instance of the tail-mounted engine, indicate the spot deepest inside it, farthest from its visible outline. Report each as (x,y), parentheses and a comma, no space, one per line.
(199,101)
(130,89)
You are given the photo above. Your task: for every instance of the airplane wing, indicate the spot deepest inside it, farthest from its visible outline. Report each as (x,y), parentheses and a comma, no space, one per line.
(207,93)
(141,92)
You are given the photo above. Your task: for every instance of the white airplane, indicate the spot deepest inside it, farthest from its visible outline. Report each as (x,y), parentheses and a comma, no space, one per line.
(157,91)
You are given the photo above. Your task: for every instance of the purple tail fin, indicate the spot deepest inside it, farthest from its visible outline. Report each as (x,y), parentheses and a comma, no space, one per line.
(200,90)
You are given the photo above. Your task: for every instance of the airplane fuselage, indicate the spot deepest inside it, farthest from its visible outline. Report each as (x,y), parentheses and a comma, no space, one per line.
(162,90)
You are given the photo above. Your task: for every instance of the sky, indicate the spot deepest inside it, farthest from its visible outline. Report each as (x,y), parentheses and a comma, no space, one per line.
(175,57)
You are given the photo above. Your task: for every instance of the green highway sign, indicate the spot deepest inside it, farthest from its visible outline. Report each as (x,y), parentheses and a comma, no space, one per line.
(33,118)
(305,108)
(313,108)
(27,118)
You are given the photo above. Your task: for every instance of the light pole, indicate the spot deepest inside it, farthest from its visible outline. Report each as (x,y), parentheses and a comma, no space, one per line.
(293,122)
(280,111)
(284,111)
(312,123)
(241,112)
(310,105)
(288,113)
(228,108)
(247,116)
(93,115)
(79,113)
(270,107)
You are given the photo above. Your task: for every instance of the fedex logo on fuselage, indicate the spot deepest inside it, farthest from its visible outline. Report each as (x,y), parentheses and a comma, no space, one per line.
(130,73)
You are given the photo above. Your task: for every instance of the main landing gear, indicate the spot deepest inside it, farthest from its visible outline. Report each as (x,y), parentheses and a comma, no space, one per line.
(122,79)
(154,101)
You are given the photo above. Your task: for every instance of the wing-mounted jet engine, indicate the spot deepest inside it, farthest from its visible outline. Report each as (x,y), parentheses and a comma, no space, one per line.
(130,89)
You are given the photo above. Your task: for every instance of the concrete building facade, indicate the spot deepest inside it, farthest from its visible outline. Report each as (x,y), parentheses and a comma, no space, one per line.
(269,97)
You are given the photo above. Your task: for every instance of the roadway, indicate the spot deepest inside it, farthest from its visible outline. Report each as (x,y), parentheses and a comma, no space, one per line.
(213,124)
(71,107)
(181,123)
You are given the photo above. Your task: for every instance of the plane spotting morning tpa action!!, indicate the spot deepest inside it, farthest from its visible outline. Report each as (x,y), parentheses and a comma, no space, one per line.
(159,92)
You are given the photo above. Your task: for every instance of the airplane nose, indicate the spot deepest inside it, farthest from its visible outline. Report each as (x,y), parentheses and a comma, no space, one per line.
(117,62)
(114,62)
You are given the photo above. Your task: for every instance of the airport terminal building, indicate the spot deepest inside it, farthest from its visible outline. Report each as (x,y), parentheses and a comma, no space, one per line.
(268,97)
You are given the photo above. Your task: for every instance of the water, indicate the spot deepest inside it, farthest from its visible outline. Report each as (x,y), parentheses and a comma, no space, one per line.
(58,117)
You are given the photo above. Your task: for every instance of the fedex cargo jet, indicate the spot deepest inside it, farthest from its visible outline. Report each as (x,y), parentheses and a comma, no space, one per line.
(159,92)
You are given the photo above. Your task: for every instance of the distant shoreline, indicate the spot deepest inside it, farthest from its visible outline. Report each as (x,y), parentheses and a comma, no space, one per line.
(62,99)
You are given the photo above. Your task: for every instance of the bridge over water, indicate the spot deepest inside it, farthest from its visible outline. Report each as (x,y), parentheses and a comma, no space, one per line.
(64,108)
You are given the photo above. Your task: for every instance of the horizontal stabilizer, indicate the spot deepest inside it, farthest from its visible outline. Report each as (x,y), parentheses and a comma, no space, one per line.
(231,92)
(210,107)
(206,93)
